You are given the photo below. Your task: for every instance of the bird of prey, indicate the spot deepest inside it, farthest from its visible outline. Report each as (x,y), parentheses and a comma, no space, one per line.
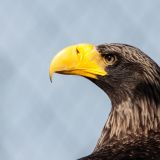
(131,79)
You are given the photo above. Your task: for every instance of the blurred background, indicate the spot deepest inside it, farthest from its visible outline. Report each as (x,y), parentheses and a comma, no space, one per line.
(62,120)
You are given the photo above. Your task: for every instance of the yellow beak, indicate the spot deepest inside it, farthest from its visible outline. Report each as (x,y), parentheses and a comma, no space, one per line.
(81,59)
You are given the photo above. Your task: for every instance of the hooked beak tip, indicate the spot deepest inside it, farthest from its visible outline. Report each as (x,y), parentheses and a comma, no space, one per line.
(50,77)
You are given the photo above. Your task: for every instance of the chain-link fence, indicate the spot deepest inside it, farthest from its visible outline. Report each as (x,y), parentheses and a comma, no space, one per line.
(62,120)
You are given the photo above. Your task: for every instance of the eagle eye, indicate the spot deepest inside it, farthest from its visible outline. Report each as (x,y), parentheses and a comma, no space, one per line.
(109,58)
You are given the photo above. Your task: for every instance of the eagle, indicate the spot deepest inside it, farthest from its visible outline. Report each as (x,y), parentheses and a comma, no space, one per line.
(131,79)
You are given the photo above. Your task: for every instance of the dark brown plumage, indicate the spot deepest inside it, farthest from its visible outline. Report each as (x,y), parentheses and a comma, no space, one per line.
(132,131)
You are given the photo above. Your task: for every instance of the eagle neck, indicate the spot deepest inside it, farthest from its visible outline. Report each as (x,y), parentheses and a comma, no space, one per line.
(138,117)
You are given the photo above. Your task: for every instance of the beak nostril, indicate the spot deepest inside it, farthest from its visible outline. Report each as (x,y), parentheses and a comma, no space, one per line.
(77,51)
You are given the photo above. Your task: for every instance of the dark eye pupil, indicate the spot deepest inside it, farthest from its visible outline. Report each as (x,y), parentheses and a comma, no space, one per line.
(109,58)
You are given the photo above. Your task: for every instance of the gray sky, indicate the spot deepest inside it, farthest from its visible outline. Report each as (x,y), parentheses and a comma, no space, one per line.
(62,120)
